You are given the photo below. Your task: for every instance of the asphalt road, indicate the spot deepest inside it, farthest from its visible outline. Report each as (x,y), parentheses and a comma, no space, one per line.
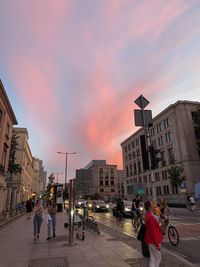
(186,222)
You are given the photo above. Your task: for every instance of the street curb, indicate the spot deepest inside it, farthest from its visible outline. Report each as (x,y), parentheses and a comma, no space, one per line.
(180,258)
(12,219)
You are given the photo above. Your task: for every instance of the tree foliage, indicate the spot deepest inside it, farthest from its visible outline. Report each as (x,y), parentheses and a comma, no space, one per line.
(14,168)
(51,179)
(175,174)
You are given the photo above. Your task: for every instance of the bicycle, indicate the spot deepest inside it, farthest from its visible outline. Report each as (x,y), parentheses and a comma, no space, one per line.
(120,219)
(137,219)
(171,230)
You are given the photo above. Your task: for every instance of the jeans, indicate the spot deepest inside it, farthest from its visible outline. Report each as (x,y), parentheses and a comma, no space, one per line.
(37,221)
(53,218)
(49,226)
(155,256)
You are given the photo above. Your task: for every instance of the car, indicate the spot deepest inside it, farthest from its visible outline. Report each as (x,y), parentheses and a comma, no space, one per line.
(79,203)
(99,205)
(89,204)
(127,209)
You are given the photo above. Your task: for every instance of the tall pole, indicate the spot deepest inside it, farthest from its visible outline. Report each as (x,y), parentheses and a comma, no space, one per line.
(66,172)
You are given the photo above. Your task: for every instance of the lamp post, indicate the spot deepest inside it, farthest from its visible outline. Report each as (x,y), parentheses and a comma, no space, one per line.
(66,156)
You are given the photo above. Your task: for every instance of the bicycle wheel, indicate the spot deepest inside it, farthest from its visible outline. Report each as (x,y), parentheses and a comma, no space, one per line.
(89,221)
(173,235)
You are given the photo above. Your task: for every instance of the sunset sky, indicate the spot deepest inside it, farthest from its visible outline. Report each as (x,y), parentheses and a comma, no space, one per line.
(72,70)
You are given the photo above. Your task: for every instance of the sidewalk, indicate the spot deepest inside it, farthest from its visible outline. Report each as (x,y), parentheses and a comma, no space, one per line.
(18,249)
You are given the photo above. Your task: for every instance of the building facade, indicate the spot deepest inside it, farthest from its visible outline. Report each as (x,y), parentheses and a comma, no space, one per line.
(174,134)
(7,120)
(22,183)
(100,178)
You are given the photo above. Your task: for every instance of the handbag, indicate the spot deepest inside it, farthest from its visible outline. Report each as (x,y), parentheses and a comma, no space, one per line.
(141,232)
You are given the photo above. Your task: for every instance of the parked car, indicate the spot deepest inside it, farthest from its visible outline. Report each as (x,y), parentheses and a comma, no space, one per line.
(127,209)
(99,205)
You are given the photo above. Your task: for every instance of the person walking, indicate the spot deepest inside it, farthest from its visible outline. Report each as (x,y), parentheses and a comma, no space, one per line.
(28,209)
(52,209)
(153,235)
(37,220)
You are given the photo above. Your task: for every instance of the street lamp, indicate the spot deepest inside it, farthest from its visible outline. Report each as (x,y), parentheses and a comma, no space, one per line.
(66,154)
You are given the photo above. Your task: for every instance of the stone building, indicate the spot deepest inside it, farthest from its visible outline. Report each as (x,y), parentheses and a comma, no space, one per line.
(98,177)
(7,120)
(174,134)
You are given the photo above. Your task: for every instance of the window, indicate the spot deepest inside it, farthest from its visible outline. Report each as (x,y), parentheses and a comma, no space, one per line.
(113,190)
(133,154)
(157,176)
(159,128)
(137,142)
(160,141)
(133,144)
(158,190)
(7,129)
(106,183)
(168,137)
(135,168)
(154,144)
(101,190)
(163,162)
(147,191)
(166,190)
(4,156)
(112,182)
(170,155)
(152,132)
(100,170)
(127,172)
(164,175)
(1,116)
(129,156)
(139,166)
(131,170)
(150,191)
(101,182)
(129,147)
(135,180)
(166,123)
(138,152)
(125,149)
(145,179)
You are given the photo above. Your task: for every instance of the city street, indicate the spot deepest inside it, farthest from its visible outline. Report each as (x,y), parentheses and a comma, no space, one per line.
(186,222)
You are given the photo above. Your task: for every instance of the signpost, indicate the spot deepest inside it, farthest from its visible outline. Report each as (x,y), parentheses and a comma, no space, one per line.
(144,118)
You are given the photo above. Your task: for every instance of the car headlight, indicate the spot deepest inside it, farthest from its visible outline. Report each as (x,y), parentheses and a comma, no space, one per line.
(97,206)
(79,203)
(107,206)
(90,205)
(127,209)
(141,208)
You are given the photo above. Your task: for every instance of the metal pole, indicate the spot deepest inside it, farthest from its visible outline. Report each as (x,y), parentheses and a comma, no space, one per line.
(149,154)
(66,172)
(71,211)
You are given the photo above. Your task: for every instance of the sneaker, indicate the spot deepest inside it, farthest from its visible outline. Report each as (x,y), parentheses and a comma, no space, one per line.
(48,238)
(34,239)
(38,236)
(54,235)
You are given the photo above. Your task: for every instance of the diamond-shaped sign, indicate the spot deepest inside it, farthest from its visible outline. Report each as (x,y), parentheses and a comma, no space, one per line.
(141,101)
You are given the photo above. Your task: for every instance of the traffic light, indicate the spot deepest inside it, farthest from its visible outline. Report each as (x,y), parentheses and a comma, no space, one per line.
(154,157)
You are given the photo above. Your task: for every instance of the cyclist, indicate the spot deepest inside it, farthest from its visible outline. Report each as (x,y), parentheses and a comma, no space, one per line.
(120,208)
(136,205)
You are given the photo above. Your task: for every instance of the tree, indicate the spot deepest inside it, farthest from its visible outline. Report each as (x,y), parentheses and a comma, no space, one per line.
(176,176)
(14,168)
(51,179)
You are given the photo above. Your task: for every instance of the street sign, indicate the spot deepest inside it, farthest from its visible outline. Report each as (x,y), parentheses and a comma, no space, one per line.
(141,101)
(140,120)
